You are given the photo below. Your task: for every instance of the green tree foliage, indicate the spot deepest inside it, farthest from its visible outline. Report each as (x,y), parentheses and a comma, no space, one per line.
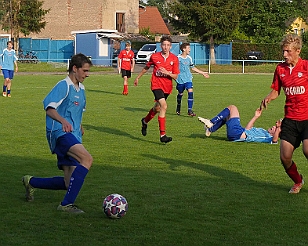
(267,21)
(22,16)
(162,6)
(207,20)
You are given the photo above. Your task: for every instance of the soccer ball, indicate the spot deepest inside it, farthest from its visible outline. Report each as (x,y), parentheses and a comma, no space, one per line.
(115,206)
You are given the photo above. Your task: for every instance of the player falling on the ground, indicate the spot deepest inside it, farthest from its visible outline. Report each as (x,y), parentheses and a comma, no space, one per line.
(166,68)
(230,117)
(64,106)
(184,80)
(126,65)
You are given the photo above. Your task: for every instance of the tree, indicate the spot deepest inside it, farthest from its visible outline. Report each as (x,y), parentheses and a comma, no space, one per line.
(268,21)
(22,16)
(162,6)
(207,20)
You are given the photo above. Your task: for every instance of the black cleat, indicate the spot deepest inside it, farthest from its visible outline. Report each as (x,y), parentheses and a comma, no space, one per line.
(165,139)
(144,127)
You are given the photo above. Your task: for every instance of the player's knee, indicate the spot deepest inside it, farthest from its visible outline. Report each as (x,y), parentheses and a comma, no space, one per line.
(156,108)
(87,161)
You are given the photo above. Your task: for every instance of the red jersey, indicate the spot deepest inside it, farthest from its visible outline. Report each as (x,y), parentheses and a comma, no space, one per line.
(294,82)
(159,80)
(126,59)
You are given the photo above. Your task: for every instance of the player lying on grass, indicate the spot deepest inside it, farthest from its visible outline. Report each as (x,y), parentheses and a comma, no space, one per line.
(235,132)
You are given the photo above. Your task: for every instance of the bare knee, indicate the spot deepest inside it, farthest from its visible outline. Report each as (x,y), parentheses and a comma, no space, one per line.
(156,107)
(87,161)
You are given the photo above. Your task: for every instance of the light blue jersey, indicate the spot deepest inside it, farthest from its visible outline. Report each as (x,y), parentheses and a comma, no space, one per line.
(8,57)
(70,103)
(185,65)
(259,135)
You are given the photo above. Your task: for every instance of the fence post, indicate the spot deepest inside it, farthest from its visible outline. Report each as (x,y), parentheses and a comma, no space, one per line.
(243,70)
(209,66)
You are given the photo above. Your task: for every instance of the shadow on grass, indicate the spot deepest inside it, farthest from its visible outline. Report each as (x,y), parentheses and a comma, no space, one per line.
(194,135)
(228,176)
(115,131)
(106,92)
(135,109)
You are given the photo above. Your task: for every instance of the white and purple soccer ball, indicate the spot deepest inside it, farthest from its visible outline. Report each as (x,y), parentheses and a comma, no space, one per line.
(115,206)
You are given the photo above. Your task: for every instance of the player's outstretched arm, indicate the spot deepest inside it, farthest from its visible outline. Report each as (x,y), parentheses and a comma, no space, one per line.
(271,96)
(250,124)
(144,70)
(205,74)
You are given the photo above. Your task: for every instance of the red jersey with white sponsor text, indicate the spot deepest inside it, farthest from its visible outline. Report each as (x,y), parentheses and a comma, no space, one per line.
(159,80)
(294,82)
(126,59)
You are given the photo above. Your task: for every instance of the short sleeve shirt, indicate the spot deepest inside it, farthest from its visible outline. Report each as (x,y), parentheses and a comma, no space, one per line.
(126,59)
(70,103)
(8,57)
(294,82)
(185,65)
(158,80)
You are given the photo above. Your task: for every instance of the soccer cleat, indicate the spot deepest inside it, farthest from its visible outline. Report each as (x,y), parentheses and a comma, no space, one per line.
(178,112)
(297,187)
(4,94)
(207,131)
(178,109)
(191,113)
(165,139)
(206,122)
(144,127)
(70,208)
(8,95)
(125,93)
(29,188)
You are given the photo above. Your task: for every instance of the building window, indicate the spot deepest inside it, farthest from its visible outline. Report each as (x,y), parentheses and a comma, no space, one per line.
(295,31)
(120,22)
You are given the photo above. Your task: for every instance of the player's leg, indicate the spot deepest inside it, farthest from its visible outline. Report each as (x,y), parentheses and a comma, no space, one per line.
(290,140)
(6,78)
(222,116)
(125,76)
(180,88)
(9,82)
(190,99)
(162,119)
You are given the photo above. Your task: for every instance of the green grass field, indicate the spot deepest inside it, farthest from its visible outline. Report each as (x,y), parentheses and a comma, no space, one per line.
(192,191)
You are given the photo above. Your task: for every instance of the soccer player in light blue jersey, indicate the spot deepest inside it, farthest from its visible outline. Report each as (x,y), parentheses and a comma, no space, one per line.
(64,106)
(184,80)
(8,59)
(235,132)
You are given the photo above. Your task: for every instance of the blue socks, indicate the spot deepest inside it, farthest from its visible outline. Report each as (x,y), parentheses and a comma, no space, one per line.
(190,100)
(222,116)
(75,185)
(179,99)
(54,183)
(4,88)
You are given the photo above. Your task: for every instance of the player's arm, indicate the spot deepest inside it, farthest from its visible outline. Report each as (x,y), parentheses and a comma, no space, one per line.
(205,74)
(16,66)
(250,124)
(144,70)
(52,113)
(119,65)
(276,135)
(271,96)
(133,65)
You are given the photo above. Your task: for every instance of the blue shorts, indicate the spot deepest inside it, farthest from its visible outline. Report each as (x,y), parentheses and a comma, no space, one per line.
(8,74)
(234,129)
(64,143)
(185,86)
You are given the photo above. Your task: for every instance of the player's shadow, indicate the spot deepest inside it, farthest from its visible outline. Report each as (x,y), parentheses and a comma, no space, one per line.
(130,109)
(194,135)
(115,131)
(105,92)
(230,176)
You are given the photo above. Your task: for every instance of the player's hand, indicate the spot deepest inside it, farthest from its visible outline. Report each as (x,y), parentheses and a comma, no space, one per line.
(206,74)
(163,71)
(66,126)
(264,103)
(136,82)
(258,112)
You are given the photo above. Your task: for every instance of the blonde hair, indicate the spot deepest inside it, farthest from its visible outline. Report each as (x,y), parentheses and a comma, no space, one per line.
(291,40)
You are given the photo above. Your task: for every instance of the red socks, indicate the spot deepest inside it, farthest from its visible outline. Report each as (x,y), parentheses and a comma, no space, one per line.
(125,90)
(162,125)
(294,174)
(149,116)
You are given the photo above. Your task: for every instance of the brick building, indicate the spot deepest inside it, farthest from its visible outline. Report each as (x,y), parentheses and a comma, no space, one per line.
(66,16)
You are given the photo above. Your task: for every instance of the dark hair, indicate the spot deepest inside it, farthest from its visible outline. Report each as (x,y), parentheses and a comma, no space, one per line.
(9,42)
(165,38)
(183,46)
(78,60)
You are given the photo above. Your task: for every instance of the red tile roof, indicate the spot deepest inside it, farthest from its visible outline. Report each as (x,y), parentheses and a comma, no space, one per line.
(149,17)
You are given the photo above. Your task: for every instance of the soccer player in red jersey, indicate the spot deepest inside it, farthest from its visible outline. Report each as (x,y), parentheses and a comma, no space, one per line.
(126,65)
(292,76)
(166,68)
